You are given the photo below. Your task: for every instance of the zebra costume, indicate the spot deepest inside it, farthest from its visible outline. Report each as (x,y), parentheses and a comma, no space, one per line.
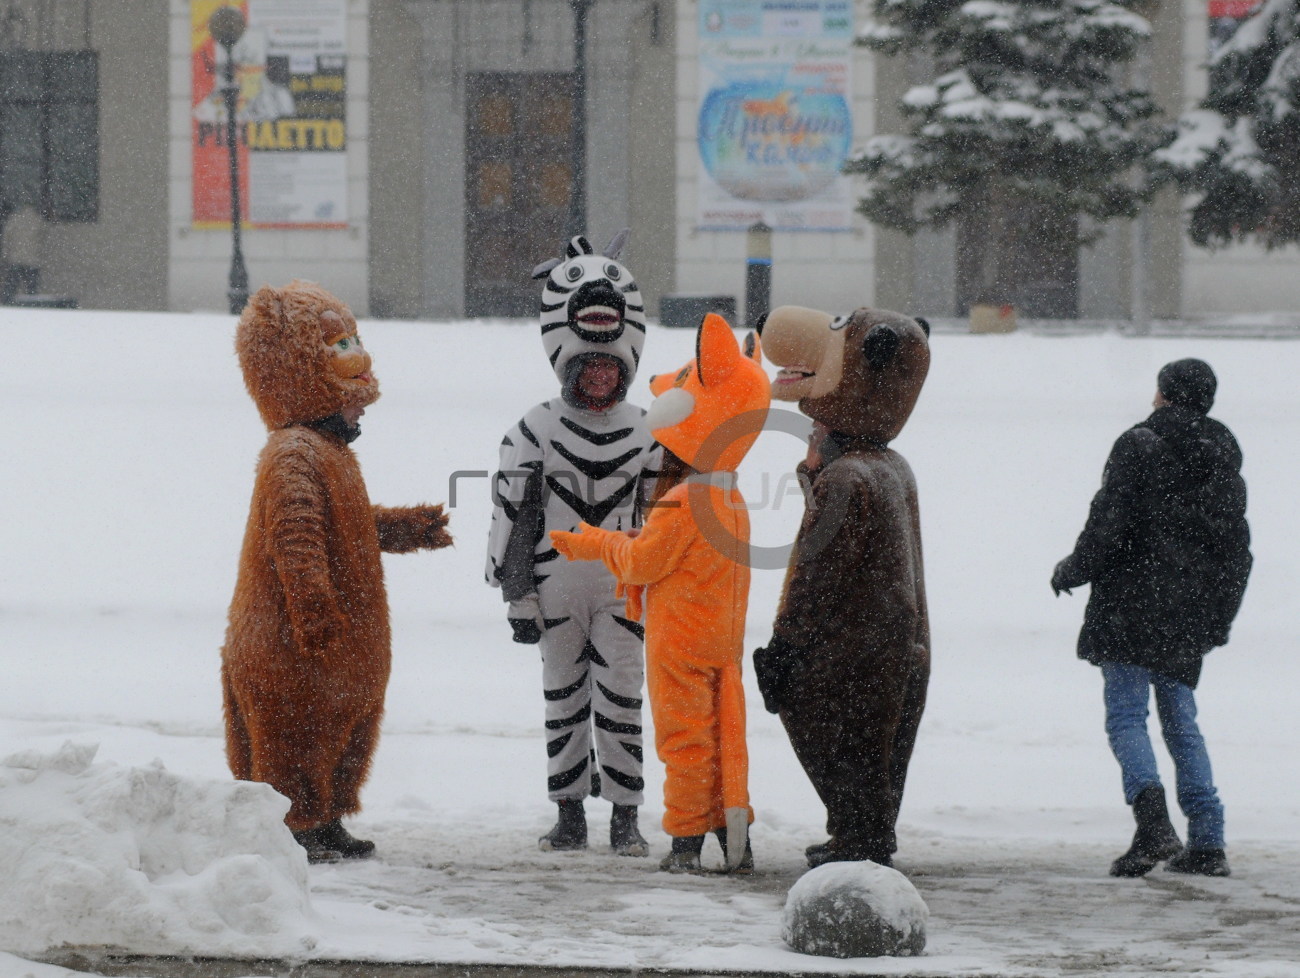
(561,463)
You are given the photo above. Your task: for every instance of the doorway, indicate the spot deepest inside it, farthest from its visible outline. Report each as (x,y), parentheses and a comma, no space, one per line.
(518,184)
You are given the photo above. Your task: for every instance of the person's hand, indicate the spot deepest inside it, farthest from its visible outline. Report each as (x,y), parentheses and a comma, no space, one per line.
(525,617)
(579,544)
(1066,576)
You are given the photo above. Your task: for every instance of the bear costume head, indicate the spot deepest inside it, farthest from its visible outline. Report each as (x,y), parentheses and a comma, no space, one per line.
(591,306)
(858,374)
(301,357)
(710,412)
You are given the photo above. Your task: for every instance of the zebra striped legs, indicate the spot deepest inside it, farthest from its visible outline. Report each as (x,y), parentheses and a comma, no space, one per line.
(592,684)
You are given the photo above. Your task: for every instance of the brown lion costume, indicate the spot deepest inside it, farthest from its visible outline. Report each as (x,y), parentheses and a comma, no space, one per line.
(307,653)
(849,661)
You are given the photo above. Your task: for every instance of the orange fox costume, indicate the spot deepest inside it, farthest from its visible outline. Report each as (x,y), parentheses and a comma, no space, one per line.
(306,658)
(691,557)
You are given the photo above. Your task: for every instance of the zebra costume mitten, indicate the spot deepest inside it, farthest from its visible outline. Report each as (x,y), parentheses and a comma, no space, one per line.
(562,463)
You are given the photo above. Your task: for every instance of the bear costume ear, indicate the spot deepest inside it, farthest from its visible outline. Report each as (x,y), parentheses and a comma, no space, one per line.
(924,324)
(753,348)
(880,345)
(264,304)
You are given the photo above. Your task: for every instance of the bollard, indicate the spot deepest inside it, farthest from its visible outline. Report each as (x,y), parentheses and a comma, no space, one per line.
(758,273)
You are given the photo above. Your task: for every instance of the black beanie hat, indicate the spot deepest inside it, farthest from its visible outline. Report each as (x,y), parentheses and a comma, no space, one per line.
(1188,383)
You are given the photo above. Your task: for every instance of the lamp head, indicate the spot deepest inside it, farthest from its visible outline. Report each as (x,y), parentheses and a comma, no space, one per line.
(226,25)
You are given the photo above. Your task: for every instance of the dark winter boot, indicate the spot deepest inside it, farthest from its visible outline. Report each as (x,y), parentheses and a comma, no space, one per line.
(1155,838)
(836,850)
(746,866)
(334,836)
(816,850)
(570,831)
(1201,862)
(624,837)
(685,856)
(317,850)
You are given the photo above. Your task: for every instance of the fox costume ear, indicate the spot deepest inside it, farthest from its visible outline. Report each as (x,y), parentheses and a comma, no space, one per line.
(716,351)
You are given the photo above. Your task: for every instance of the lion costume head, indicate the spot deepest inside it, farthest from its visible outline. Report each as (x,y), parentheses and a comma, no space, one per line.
(301,357)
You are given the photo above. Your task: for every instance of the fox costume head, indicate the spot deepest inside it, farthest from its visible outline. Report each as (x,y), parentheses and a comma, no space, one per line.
(301,357)
(710,412)
(859,374)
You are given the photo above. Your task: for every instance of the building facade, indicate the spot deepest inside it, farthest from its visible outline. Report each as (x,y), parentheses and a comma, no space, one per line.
(419,157)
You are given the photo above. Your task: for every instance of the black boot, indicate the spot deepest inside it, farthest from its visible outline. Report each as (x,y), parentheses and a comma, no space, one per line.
(816,851)
(317,850)
(570,831)
(334,836)
(836,850)
(746,866)
(1200,862)
(685,856)
(624,837)
(1155,838)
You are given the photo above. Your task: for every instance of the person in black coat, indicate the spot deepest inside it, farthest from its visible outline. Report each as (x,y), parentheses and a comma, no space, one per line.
(1166,549)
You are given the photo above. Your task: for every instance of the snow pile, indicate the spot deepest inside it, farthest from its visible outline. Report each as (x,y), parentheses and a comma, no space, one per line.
(855,910)
(97,854)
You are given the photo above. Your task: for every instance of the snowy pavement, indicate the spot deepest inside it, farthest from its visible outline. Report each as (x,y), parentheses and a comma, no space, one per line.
(128,467)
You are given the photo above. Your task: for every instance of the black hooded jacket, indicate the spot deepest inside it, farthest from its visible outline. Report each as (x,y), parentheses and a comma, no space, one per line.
(1166,546)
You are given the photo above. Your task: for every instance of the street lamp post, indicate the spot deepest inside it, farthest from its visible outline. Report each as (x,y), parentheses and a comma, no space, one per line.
(226,26)
(578,201)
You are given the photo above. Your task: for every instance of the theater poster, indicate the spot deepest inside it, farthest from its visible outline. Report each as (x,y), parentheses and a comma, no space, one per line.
(291,71)
(775,123)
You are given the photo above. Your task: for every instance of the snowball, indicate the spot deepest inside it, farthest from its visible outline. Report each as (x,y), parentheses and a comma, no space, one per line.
(854,910)
(97,854)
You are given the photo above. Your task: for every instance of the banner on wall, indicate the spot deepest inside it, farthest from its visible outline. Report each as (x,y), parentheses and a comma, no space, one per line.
(291,71)
(775,123)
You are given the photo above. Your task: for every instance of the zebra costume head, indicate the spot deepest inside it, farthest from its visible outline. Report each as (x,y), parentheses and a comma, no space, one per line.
(591,305)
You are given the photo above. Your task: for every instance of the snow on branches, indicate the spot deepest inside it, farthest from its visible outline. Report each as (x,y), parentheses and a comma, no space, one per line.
(1030,96)
(1239,151)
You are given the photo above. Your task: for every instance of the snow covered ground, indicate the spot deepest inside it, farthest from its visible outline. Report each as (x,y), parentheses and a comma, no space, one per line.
(125,480)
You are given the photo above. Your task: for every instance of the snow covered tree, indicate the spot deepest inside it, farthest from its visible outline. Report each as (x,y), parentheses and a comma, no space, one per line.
(1029,123)
(1240,150)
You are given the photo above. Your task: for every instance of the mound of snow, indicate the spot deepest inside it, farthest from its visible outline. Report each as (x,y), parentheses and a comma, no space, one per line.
(97,854)
(854,910)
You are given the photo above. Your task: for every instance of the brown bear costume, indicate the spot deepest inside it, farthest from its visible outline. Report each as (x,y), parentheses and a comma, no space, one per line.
(306,659)
(849,661)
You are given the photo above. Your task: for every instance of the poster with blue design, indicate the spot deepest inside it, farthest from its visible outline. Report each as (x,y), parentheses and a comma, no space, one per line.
(775,122)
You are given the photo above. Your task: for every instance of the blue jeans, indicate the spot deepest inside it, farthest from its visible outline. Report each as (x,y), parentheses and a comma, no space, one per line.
(1126,695)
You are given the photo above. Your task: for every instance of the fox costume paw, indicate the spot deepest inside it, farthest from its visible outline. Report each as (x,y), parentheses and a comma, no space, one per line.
(581,544)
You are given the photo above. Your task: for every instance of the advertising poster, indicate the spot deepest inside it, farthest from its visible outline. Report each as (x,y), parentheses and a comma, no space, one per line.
(290,69)
(775,123)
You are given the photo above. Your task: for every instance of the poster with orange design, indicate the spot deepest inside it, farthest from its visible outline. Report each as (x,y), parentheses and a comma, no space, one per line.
(290,120)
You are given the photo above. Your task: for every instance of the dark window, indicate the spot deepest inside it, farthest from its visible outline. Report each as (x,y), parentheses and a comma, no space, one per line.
(49,133)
